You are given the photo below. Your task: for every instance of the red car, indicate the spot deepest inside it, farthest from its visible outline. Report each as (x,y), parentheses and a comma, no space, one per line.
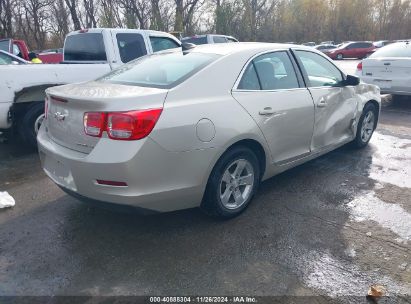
(357,49)
(19,48)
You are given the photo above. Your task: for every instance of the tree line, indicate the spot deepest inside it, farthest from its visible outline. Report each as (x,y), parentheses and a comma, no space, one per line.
(45,23)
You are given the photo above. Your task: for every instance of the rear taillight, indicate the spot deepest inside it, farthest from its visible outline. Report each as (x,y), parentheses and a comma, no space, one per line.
(130,125)
(359,66)
(94,123)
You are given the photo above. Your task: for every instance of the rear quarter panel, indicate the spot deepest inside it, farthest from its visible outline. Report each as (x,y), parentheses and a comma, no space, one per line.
(207,95)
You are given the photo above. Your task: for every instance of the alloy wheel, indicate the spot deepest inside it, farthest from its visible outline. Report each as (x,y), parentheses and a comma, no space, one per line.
(236,184)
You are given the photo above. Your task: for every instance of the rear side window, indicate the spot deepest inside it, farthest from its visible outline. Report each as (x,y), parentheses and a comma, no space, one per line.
(85,47)
(319,70)
(196,40)
(272,71)
(249,81)
(400,49)
(364,45)
(219,39)
(160,70)
(130,46)
(231,40)
(162,43)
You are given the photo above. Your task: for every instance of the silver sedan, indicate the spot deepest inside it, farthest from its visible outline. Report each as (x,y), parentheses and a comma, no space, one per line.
(201,127)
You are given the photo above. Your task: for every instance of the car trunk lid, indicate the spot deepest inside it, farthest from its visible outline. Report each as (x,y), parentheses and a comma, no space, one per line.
(386,68)
(67,105)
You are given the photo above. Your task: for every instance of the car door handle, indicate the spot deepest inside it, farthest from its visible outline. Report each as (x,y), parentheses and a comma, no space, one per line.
(270,112)
(321,103)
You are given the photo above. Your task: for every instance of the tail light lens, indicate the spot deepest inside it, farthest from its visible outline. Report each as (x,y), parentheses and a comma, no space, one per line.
(359,66)
(94,123)
(131,125)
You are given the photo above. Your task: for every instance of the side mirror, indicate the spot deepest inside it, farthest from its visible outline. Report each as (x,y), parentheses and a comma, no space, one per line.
(351,81)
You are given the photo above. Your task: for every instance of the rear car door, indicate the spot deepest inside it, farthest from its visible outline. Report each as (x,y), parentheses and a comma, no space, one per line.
(274,95)
(335,105)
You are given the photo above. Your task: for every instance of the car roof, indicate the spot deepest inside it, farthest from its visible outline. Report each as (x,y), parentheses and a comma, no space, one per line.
(231,48)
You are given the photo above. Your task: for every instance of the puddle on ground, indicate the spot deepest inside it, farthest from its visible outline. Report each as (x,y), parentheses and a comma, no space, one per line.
(338,277)
(391,162)
(367,206)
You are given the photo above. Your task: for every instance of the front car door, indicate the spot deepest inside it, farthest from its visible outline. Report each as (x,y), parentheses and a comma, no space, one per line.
(335,105)
(274,95)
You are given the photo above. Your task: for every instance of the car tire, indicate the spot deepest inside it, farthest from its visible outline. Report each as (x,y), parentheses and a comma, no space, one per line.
(366,126)
(224,196)
(340,56)
(30,123)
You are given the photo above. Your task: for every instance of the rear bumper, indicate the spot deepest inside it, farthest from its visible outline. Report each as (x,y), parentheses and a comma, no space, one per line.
(397,86)
(157,180)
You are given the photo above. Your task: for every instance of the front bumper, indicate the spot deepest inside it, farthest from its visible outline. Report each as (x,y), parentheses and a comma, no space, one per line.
(157,180)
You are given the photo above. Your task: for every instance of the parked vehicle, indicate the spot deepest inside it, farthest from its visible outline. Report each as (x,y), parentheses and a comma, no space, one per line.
(7,58)
(381,43)
(201,127)
(52,55)
(325,48)
(328,42)
(309,44)
(19,48)
(88,54)
(208,39)
(352,50)
(389,68)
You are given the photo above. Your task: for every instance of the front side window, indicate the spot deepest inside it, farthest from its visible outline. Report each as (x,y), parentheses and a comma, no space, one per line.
(85,47)
(130,46)
(320,71)
(160,70)
(162,43)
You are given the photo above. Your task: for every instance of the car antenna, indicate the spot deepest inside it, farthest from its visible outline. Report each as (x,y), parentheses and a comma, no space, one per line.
(185,46)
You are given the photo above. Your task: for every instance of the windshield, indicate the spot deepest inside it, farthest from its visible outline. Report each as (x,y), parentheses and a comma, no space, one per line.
(401,49)
(160,70)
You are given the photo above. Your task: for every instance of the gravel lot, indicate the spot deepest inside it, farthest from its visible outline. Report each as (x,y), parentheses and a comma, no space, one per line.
(333,227)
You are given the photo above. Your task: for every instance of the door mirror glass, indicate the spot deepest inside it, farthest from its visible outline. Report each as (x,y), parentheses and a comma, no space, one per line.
(351,81)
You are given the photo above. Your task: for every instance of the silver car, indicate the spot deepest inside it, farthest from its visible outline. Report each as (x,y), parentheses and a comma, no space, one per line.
(202,127)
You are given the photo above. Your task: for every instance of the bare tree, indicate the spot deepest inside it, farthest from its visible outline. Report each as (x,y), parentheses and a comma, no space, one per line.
(6,13)
(73,5)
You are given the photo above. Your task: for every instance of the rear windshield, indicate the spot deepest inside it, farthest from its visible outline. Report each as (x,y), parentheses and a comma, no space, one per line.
(85,47)
(160,70)
(196,40)
(4,45)
(401,49)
